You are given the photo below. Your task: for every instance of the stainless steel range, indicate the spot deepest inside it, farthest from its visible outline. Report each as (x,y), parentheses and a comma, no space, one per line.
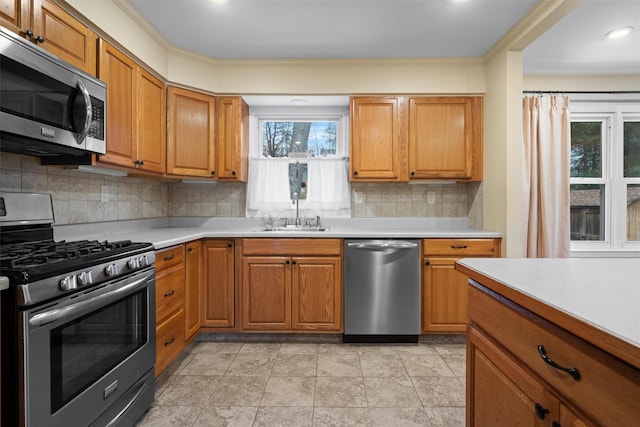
(78,335)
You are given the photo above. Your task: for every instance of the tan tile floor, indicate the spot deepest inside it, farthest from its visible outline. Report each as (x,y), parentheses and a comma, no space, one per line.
(310,384)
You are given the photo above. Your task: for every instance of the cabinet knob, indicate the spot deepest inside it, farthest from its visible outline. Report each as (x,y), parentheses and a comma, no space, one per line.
(189,249)
(413,173)
(39,39)
(556,424)
(233,173)
(213,172)
(293,262)
(139,162)
(28,33)
(229,245)
(287,262)
(426,263)
(541,411)
(355,172)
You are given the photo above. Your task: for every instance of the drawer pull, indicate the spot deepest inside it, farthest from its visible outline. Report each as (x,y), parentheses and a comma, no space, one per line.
(169,257)
(458,246)
(556,424)
(170,340)
(168,294)
(541,411)
(571,371)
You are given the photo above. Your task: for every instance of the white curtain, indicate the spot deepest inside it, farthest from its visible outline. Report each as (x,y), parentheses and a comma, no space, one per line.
(547,145)
(328,192)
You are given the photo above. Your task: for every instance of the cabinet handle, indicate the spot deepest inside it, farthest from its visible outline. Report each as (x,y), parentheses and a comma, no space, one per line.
(169,257)
(169,341)
(541,411)
(458,246)
(556,424)
(189,249)
(139,162)
(168,294)
(571,371)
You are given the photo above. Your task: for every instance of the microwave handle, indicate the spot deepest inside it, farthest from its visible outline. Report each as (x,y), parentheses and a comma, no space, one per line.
(87,122)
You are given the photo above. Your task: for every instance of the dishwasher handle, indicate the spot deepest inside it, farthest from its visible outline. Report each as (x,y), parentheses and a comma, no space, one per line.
(378,245)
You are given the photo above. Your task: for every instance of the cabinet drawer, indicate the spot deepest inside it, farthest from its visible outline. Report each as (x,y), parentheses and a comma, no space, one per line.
(169,293)
(169,257)
(461,247)
(291,247)
(169,340)
(607,389)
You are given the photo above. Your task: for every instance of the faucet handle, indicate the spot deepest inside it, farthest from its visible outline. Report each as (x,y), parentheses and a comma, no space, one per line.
(285,221)
(317,220)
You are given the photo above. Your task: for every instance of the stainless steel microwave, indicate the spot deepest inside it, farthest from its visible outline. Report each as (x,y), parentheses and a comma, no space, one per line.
(48,108)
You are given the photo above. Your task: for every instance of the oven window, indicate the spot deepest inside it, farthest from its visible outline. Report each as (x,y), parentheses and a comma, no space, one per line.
(84,350)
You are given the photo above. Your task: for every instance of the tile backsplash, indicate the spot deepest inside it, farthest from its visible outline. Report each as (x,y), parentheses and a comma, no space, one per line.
(81,197)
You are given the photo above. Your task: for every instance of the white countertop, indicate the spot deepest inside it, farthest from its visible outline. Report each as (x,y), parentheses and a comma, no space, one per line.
(601,292)
(172,231)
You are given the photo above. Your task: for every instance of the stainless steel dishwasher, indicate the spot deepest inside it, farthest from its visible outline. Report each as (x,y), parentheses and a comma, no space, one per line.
(381,291)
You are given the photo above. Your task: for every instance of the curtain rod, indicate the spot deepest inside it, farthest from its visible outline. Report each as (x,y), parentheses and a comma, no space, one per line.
(582,92)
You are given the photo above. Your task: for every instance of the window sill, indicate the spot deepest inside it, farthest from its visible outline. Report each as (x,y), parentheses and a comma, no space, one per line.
(608,253)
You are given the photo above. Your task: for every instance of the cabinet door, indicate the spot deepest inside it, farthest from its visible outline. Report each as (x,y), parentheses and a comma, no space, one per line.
(192,288)
(444,298)
(151,123)
(378,148)
(316,294)
(500,393)
(119,72)
(15,15)
(266,293)
(218,286)
(233,138)
(440,137)
(64,36)
(190,133)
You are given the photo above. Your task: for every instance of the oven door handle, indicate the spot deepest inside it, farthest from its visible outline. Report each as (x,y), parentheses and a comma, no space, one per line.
(90,304)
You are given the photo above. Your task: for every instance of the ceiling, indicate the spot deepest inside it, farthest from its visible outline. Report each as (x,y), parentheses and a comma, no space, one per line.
(340,29)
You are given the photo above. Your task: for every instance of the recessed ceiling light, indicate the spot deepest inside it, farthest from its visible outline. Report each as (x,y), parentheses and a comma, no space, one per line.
(299,101)
(618,32)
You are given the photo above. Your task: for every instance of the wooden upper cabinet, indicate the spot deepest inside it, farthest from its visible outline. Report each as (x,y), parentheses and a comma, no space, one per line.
(191,133)
(135,113)
(444,137)
(53,29)
(119,72)
(377,142)
(151,122)
(15,15)
(233,138)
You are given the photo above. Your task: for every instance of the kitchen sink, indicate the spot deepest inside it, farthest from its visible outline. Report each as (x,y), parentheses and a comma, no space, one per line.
(293,228)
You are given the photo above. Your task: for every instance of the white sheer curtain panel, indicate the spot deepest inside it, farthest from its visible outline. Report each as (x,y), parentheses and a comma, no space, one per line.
(328,192)
(547,145)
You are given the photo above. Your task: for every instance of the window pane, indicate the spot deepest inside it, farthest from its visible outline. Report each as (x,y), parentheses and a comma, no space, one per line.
(633,212)
(632,149)
(586,149)
(587,211)
(280,139)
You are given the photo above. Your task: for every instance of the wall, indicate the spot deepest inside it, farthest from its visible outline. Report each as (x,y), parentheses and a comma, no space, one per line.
(77,196)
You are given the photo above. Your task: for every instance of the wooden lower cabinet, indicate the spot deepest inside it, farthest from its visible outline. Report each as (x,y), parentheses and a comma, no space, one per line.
(218,284)
(444,290)
(192,288)
(510,384)
(170,305)
(298,288)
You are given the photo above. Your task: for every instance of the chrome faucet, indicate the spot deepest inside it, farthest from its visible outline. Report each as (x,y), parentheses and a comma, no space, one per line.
(296,197)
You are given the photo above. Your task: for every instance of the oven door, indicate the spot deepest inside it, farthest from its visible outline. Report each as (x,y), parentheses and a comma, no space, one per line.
(84,353)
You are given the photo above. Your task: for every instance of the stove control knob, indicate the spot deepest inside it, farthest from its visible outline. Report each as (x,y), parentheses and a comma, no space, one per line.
(111,270)
(68,283)
(133,263)
(143,260)
(85,278)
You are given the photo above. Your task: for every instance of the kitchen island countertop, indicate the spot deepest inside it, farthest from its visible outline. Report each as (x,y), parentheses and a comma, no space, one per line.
(172,231)
(597,299)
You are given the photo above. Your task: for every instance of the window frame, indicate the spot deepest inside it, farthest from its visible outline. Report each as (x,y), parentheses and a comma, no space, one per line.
(613,113)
